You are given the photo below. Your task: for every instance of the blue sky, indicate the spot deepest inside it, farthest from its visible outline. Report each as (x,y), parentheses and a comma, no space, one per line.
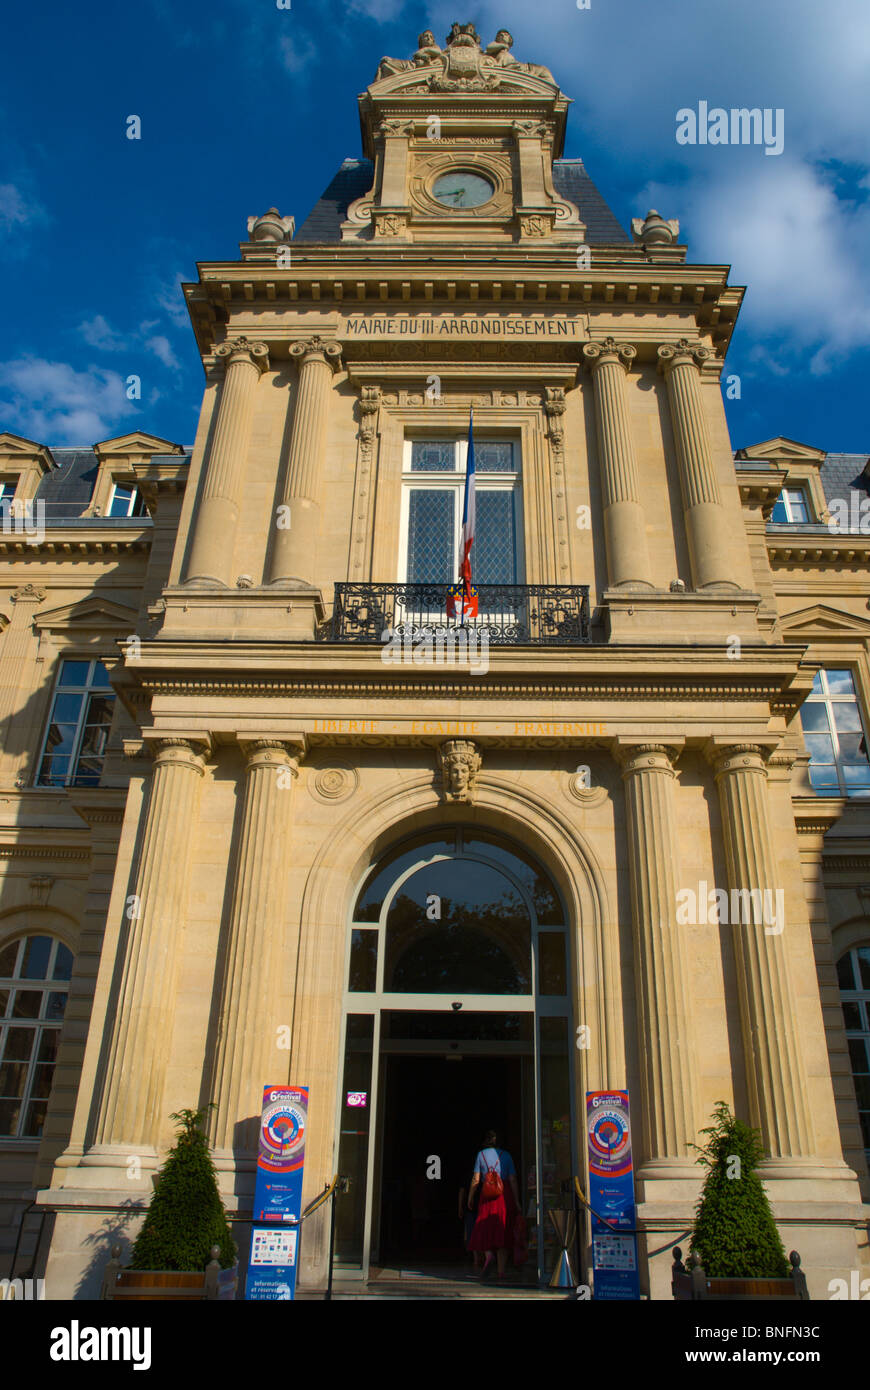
(245,105)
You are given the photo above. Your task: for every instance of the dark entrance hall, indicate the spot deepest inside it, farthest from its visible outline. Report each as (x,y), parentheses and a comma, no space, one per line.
(435,1106)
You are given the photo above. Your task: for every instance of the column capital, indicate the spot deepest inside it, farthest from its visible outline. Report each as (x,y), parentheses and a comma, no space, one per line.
(684,350)
(317,349)
(186,750)
(242,350)
(28,593)
(725,757)
(554,400)
(595,354)
(369,400)
(271,750)
(646,757)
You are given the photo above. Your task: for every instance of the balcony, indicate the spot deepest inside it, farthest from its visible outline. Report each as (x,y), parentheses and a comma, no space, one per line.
(510,615)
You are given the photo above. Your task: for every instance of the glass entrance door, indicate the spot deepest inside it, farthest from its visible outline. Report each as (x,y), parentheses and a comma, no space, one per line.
(457,1020)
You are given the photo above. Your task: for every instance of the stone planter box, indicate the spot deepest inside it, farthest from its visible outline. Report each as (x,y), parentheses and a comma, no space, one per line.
(174,1286)
(694,1284)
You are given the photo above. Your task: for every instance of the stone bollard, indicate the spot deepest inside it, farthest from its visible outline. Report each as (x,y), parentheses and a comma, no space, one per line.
(799,1279)
(110,1274)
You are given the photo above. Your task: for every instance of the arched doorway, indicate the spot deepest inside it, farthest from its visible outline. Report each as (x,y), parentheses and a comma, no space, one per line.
(457,1018)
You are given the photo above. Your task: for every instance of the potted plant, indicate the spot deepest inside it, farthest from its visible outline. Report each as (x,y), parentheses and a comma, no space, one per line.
(735,1246)
(184,1226)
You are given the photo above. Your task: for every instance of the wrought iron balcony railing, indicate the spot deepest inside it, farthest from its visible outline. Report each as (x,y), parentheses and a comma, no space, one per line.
(511,615)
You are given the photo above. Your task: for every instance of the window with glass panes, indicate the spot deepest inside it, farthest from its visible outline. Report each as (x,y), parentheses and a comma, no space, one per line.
(34,982)
(791,506)
(853,977)
(126,501)
(834,736)
(78,727)
(434,484)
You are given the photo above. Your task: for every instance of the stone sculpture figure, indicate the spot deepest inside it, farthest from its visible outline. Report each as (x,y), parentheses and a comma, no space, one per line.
(460,764)
(500,53)
(427,52)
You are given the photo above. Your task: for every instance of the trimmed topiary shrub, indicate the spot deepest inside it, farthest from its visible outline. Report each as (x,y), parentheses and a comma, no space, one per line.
(735,1236)
(186,1216)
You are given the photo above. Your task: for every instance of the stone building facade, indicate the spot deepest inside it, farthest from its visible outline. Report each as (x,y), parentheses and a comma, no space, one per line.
(245,751)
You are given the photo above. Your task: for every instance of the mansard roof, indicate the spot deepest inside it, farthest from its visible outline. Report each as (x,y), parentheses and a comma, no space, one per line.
(354,179)
(68,489)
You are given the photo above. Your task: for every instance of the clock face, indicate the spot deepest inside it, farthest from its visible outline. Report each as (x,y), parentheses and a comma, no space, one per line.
(461,189)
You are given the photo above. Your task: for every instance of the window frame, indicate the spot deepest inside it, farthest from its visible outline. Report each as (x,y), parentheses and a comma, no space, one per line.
(454,481)
(88,689)
(861,997)
(135,507)
(829,700)
(786,499)
(40,1025)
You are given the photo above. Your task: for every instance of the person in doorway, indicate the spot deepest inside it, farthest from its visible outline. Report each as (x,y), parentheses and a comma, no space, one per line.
(495,1185)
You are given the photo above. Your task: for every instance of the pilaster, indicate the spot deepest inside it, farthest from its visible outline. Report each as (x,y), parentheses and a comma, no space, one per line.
(624,521)
(245,1057)
(292,559)
(130,1106)
(211,555)
(706,531)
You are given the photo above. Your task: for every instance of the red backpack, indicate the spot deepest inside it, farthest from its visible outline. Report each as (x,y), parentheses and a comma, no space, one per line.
(492,1185)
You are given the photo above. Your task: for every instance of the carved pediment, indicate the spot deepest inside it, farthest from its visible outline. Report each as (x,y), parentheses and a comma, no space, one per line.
(137,443)
(462,65)
(93,614)
(782,450)
(822,623)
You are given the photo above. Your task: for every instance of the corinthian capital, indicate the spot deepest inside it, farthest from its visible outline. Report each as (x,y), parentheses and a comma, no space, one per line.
(317,349)
(609,350)
(672,354)
(243,350)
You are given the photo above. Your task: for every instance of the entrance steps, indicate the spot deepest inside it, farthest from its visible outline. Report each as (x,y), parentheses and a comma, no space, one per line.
(433,1284)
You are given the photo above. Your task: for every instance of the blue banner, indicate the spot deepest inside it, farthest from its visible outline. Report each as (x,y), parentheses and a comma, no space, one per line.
(278,1194)
(611,1196)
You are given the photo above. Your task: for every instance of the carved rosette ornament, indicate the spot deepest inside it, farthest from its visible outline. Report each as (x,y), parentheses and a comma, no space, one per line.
(460,763)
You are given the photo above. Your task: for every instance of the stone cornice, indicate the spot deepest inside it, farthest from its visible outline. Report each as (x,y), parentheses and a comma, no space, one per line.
(796,548)
(101,536)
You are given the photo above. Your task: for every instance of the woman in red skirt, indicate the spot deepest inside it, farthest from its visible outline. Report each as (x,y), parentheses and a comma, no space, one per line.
(496,1210)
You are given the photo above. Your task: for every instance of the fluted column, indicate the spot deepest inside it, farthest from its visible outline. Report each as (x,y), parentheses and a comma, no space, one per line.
(775,1075)
(292,560)
(211,555)
(246,1057)
(661,974)
(131,1104)
(706,528)
(624,520)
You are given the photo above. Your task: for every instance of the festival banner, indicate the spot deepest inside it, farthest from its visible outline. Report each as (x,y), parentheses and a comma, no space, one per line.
(278,1193)
(611,1195)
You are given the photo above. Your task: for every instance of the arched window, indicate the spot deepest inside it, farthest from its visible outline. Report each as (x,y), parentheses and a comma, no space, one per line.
(853,975)
(34,984)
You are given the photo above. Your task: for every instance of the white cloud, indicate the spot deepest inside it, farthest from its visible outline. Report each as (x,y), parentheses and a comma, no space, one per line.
(381,10)
(98,333)
(798,248)
(170,297)
(160,346)
(17,211)
(54,403)
(297,54)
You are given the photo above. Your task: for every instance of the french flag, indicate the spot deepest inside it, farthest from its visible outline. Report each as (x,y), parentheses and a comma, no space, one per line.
(462,598)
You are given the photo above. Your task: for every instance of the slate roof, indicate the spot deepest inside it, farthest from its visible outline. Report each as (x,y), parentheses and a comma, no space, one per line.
(841,473)
(840,476)
(354,178)
(68,489)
